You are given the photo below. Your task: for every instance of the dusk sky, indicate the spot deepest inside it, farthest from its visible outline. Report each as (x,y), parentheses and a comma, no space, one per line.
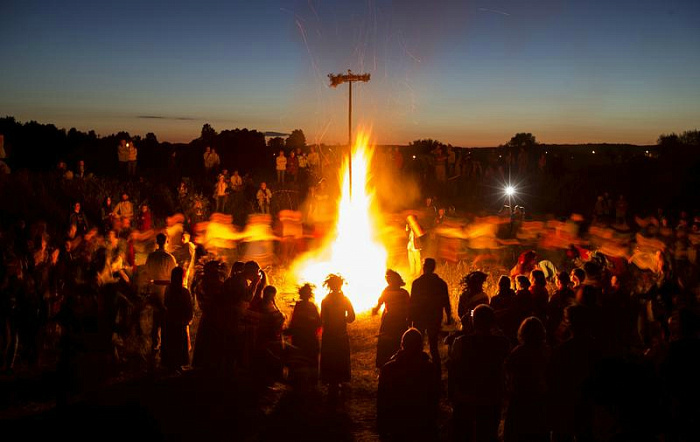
(469,73)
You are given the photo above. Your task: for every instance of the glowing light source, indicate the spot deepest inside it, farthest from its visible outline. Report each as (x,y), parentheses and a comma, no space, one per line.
(509,190)
(353,249)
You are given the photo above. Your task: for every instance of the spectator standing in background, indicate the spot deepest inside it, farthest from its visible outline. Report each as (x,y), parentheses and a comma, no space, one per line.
(132,158)
(281,167)
(123,155)
(125,208)
(264,196)
(220,194)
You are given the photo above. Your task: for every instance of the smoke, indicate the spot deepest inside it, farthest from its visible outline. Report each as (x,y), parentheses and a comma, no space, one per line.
(395,190)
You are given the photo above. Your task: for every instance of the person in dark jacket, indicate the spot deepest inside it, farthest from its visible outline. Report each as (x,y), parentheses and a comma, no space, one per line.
(504,306)
(477,376)
(429,297)
(178,315)
(573,363)
(408,393)
(526,379)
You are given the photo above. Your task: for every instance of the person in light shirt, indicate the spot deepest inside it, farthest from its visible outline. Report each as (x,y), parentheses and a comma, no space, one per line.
(281,166)
(264,197)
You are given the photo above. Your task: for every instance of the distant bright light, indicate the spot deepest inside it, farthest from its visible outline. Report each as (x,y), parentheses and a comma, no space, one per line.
(593,152)
(414,157)
(510,190)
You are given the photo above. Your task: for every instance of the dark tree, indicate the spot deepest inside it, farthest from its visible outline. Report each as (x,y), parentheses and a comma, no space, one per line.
(522,139)
(276,144)
(208,133)
(426,145)
(296,139)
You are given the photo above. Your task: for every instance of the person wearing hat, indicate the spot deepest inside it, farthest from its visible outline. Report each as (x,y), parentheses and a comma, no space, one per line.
(408,393)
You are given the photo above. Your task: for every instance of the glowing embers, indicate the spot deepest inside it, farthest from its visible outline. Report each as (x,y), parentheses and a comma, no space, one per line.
(353,249)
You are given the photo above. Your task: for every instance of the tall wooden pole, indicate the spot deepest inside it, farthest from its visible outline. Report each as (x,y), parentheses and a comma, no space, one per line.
(350,136)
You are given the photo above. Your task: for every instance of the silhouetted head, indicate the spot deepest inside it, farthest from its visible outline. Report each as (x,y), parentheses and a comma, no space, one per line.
(334,282)
(531,332)
(429,266)
(263,185)
(269,293)
(176,276)
(161,240)
(474,281)
(237,267)
(503,283)
(484,318)
(306,292)
(537,278)
(251,270)
(394,279)
(522,282)
(412,341)
(578,276)
(563,280)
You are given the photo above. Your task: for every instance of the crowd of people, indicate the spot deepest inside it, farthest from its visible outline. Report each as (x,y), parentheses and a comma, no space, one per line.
(575,348)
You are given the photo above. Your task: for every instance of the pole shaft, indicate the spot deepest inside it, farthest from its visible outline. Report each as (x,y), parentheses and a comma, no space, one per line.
(350,136)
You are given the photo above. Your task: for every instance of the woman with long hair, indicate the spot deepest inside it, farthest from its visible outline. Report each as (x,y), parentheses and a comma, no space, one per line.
(394,319)
(336,313)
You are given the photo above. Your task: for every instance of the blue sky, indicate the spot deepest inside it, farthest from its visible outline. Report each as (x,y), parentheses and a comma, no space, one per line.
(470,73)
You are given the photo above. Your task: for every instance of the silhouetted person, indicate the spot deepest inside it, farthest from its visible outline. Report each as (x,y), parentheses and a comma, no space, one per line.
(429,297)
(394,319)
(523,300)
(336,313)
(680,373)
(78,218)
(560,300)
(408,393)
(238,314)
(539,295)
(571,367)
(504,305)
(175,352)
(304,328)
(267,350)
(526,368)
(472,293)
(209,344)
(476,374)
(159,266)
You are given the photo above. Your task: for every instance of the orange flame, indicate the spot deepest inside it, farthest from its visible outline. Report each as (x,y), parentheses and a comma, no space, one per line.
(353,250)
